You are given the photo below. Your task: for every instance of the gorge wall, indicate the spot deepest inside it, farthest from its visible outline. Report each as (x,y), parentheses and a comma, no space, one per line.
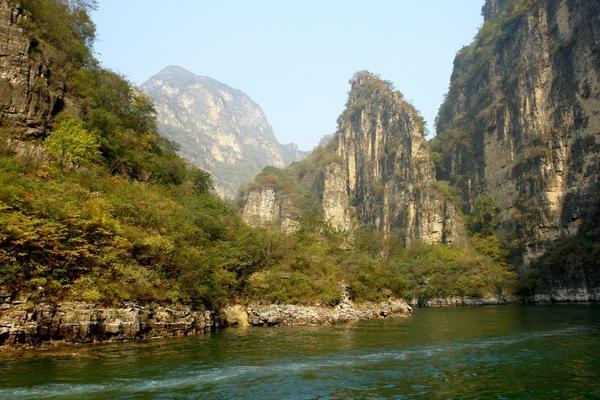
(29,93)
(375,172)
(521,125)
(217,127)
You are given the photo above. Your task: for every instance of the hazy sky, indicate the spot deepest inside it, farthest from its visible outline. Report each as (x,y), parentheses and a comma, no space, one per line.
(294,58)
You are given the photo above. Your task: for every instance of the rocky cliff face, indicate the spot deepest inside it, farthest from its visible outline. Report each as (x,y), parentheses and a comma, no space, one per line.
(521,121)
(217,127)
(375,172)
(29,93)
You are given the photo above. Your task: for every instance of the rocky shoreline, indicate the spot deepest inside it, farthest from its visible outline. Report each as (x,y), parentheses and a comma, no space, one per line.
(288,314)
(566,295)
(29,324)
(462,301)
(26,324)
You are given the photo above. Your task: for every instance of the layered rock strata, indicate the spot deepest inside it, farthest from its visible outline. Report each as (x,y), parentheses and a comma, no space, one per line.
(25,324)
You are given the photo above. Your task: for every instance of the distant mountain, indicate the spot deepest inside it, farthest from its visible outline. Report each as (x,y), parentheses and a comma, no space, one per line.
(217,127)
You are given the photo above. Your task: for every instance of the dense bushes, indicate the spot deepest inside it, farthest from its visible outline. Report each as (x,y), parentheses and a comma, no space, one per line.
(313,265)
(96,237)
(62,28)
(72,145)
(90,235)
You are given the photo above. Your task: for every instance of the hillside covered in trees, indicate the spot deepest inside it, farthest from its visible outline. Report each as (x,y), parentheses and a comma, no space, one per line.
(96,206)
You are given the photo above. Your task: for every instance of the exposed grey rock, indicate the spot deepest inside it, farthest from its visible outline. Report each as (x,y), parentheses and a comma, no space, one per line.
(263,207)
(217,127)
(563,294)
(24,324)
(28,324)
(31,83)
(376,171)
(455,301)
(288,314)
(523,126)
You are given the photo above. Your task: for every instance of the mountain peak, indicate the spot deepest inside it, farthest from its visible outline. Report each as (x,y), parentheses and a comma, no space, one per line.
(175,69)
(364,84)
(217,127)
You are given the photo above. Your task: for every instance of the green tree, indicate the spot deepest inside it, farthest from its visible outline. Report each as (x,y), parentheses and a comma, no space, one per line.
(201,180)
(484,217)
(72,145)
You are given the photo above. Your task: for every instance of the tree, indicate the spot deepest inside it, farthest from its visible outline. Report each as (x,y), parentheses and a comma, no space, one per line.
(201,180)
(484,217)
(72,145)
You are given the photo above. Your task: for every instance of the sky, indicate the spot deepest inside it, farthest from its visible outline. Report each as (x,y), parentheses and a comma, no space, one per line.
(294,58)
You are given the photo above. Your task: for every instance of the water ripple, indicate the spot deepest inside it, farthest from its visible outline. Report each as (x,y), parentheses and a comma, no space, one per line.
(196,377)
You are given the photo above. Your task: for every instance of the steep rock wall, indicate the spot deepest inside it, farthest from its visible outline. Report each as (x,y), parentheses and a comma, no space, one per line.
(521,121)
(263,208)
(31,90)
(375,172)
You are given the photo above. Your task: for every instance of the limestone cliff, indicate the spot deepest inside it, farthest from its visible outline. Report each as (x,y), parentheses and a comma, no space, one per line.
(521,121)
(375,172)
(217,127)
(29,93)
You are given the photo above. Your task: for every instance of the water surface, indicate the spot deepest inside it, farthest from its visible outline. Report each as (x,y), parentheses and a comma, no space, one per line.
(496,352)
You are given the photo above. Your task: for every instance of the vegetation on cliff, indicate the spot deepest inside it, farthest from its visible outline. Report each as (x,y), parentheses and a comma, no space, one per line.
(103,210)
(313,260)
(459,139)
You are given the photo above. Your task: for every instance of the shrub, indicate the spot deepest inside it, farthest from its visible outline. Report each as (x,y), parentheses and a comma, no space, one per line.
(72,145)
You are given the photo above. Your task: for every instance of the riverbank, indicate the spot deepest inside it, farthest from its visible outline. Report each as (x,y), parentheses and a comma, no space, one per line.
(462,301)
(512,351)
(294,315)
(31,324)
(27,324)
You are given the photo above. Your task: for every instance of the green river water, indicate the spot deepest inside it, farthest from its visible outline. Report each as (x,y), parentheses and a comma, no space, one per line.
(495,352)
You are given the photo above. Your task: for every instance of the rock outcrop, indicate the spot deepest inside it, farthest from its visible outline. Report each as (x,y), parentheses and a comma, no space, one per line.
(27,324)
(521,123)
(462,301)
(563,294)
(265,206)
(302,315)
(31,86)
(375,172)
(217,127)
(287,314)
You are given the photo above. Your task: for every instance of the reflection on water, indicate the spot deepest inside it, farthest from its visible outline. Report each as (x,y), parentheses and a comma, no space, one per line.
(508,352)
